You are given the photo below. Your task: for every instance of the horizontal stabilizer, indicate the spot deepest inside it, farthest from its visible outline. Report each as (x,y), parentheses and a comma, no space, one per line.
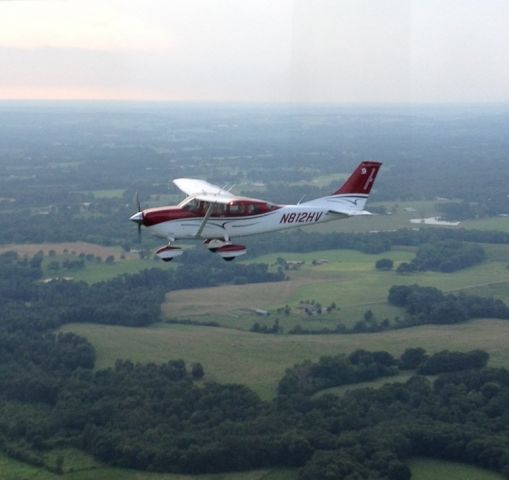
(350,213)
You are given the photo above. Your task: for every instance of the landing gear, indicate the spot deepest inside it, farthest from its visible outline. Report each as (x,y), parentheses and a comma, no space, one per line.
(213,244)
(167,253)
(230,252)
(225,249)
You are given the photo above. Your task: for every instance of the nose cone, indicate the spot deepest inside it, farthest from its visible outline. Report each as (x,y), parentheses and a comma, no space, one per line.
(137,217)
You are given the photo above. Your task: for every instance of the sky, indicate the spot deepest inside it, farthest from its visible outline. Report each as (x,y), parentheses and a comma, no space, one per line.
(330,51)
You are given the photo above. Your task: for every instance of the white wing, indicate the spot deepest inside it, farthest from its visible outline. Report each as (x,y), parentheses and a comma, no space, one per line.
(203,190)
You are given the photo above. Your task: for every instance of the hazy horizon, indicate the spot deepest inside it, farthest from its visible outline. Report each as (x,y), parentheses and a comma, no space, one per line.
(256,51)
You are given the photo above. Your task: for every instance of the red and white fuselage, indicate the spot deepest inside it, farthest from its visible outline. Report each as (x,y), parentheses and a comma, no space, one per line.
(214,214)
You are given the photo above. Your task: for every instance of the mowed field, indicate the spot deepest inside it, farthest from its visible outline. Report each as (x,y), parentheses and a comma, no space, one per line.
(400,215)
(349,279)
(93,271)
(427,469)
(259,361)
(30,249)
(88,469)
(422,469)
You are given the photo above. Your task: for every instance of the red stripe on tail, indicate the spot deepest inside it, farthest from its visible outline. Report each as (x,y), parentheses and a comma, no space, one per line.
(361,180)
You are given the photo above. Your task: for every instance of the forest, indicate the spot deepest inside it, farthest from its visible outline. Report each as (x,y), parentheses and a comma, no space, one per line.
(70,172)
(166,418)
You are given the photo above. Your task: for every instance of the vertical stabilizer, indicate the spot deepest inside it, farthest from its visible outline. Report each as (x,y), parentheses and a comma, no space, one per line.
(361,181)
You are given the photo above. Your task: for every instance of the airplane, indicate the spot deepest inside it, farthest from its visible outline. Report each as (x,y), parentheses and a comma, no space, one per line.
(216,215)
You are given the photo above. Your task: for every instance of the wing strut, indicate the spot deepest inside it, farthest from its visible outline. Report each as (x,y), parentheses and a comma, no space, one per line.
(205,219)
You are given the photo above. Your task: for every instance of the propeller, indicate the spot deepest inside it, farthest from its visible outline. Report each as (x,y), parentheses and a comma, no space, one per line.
(138,216)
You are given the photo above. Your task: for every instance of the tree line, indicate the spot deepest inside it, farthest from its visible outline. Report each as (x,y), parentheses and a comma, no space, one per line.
(423,305)
(309,377)
(444,256)
(166,417)
(430,305)
(375,242)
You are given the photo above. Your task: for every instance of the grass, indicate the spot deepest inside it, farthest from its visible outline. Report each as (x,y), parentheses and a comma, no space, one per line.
(338,281)
(111,193)
(399,218)
(428,469)
(259,361)
(94,271)
(379,382)
(11,469)
(349,279)
(97,272)
(492,223)
(63,248)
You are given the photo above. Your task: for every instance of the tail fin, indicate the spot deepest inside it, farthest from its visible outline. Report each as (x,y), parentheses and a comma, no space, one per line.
(361,181)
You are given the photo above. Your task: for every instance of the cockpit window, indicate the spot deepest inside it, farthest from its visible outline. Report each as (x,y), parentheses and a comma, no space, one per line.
(236,208)
(192,206)
(247,207)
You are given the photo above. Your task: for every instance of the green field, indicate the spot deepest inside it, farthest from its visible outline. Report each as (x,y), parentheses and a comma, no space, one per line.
(94,271)
(491,223)
(97,272)
(349,279)
(259,361)
(339,391)
(400,216)
(233,354)
(427,469)
(422,469)
(112,193)
(14,470)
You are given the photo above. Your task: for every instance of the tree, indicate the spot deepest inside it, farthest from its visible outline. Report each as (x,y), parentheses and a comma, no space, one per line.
(384,264)
(412,358)
(197,371)
(405,267)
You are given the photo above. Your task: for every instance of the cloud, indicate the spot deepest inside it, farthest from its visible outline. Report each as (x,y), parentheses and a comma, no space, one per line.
(258,50)
(92,24)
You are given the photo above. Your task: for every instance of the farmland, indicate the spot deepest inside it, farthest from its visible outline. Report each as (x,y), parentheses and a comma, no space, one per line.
(63,248)
(426,469)
(259,361)
(81,467)
(88,469)
(349,279)
(71,175)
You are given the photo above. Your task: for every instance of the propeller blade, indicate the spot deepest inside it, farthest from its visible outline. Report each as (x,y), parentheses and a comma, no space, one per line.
(137,202)
(138,216)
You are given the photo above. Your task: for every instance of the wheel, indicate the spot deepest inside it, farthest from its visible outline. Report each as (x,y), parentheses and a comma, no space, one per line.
(167,259)
(228,259)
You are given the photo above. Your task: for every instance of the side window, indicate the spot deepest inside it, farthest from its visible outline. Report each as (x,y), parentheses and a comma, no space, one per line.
(236,209)
(255,209)
(218,210)
(192,206)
